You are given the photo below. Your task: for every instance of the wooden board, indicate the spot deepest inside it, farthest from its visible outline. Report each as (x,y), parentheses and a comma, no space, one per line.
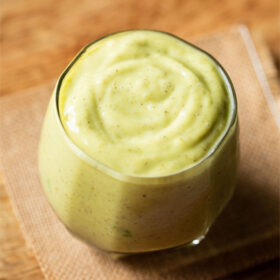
(38,38)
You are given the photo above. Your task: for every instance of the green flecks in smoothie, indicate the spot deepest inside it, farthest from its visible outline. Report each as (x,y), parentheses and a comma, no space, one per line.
(127,233)
(48,184)
(167,109)
(146,116)
(124,232)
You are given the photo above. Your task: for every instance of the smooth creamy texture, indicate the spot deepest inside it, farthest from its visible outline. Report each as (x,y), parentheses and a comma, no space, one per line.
(144,103)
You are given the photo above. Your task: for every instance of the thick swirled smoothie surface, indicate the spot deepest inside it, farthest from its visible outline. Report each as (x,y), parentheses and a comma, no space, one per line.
(144,103)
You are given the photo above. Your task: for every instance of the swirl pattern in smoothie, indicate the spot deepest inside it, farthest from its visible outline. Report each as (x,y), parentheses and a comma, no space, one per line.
(144,103)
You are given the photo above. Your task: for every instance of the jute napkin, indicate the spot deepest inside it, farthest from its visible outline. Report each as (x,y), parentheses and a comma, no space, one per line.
(245,234)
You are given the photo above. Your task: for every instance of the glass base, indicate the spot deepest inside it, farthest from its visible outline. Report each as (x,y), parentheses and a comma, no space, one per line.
(195,242)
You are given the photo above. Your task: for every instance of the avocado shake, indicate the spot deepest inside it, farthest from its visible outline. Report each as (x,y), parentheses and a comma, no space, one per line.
(138,151)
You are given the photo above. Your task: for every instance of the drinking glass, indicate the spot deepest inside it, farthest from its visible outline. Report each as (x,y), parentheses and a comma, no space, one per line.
(124,214)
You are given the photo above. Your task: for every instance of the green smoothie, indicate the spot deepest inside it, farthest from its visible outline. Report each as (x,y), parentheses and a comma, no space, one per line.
(144,103)
(139,150)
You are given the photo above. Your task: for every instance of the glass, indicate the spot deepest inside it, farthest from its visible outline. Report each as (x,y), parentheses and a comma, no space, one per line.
(128,214)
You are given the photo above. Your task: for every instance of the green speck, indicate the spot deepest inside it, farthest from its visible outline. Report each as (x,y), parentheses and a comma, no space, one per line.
(48,182)
(123,232)
(127,233)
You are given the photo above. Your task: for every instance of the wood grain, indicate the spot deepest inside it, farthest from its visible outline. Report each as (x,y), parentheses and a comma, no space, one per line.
(269,271)
(39,38)
(17,261)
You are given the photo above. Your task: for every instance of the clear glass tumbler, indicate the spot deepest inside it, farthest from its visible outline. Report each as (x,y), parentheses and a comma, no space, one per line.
(129,214)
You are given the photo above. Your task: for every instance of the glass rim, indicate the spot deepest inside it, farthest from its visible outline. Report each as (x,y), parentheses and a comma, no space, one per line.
(142,178)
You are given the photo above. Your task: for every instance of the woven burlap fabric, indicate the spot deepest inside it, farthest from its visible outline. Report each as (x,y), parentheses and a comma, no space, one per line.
(245,234)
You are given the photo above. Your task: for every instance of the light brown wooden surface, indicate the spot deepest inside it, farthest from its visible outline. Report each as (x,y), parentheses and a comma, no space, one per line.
(38,39)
